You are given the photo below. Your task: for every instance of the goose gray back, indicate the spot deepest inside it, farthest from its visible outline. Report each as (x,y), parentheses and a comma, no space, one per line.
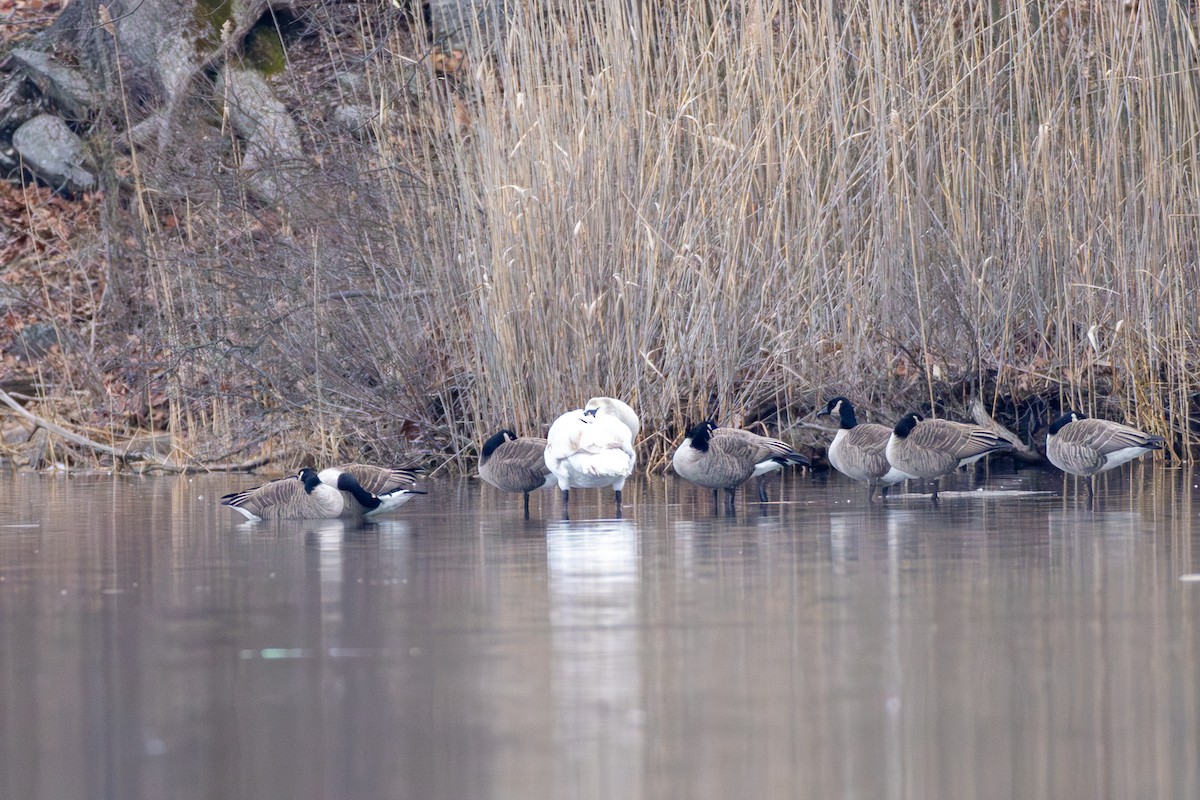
(725,458)
(357,500)
(1086,447)
(931,448)
(859,450)
(303,496)
(515,464)
(376,480)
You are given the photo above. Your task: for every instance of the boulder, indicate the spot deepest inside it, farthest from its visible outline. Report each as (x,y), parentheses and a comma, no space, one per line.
(35,340)
(65,86)
(52,151)
(271,135)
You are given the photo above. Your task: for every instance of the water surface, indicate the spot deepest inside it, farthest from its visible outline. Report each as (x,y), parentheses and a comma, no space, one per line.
(998,646)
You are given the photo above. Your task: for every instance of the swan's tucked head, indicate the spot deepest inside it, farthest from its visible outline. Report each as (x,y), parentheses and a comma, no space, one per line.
(610,406)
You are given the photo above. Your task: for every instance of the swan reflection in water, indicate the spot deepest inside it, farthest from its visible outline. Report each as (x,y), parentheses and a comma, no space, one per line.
(596,635)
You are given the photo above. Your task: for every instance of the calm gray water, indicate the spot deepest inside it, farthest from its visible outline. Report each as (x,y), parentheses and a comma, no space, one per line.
(151,646)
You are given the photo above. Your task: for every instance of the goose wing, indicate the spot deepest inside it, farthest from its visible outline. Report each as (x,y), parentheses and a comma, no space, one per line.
(1107,437)
(518,465)
(759,448)
(285,498)
(1074,454)
(728,461)
(958,439)
(866,444)
(381,480)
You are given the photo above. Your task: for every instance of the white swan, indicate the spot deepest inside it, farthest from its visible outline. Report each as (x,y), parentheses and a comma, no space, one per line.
(592,447)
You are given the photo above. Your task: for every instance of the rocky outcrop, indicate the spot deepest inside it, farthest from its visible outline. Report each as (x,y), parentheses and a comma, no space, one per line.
(52,151)
(270,134)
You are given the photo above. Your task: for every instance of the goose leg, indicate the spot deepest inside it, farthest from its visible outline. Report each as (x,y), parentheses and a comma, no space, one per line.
(1091,491)
(526,505)
(883,490)
(729,505)
(566,502)
(935,488)
(870,493)
(618,493)
(716,502)
(762,489)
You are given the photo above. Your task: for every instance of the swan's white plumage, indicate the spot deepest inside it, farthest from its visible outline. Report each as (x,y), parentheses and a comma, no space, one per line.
(592,447)
(587,451)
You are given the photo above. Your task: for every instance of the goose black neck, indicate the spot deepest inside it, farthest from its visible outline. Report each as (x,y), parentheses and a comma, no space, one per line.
(491,444)
(906,424)
(347,483)
(848,419)
(1063,421)
(311,480)
(700,434)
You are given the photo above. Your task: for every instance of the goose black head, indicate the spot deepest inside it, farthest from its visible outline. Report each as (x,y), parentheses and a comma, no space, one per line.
(497,439)
(843,408)
(906,424)
(1066,419)
(701,433)
(309,477)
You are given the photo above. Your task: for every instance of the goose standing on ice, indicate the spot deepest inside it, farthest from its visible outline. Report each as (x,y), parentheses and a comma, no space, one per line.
(514,463)
(592,447)
(1086,447)
(725,458)
(931,448)
(858,449)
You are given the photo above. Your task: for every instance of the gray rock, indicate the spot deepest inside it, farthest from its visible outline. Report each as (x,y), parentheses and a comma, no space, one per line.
(66,86)
(35,341)
(253,107)
(273,143)
(352,82)
(54,153)
(354,118)
(471,25)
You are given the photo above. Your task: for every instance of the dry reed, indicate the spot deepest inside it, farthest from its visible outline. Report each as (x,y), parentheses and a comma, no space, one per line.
(740,209)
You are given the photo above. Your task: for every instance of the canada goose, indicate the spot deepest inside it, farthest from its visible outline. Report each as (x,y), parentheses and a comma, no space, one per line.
(931,448)
(515,464)
(384,487)
(857,449)
(725,458)
(1086,447)
(593,447)
(303,496)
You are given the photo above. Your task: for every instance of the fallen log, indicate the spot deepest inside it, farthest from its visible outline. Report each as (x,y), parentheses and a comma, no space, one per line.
(1020,450)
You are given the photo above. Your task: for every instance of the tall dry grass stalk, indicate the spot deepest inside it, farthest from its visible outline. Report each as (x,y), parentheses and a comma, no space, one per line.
(732,209)
(708,208)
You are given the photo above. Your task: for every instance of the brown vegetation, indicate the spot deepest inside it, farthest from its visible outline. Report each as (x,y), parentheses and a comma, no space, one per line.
(718,209)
